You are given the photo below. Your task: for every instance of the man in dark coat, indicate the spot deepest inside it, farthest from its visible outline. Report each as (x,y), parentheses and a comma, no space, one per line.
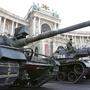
(69,46)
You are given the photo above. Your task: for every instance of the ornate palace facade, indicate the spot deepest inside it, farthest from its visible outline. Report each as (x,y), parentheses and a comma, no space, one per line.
(39,20)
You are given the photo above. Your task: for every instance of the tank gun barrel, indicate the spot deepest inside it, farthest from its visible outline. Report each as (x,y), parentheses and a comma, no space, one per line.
(25,41)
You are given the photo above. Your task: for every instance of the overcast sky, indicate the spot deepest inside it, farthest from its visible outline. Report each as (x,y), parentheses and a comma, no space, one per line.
(70,11)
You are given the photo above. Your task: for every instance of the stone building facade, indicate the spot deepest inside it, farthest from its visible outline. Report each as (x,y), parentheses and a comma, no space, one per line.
(9,21)
(39,20)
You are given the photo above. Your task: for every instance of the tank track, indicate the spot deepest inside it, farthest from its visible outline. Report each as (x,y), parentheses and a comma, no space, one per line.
(72,72)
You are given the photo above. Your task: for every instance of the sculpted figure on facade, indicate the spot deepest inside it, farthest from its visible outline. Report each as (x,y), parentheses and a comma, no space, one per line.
(35,7)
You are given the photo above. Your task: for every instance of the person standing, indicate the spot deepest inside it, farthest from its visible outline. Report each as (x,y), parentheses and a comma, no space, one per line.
(69,46)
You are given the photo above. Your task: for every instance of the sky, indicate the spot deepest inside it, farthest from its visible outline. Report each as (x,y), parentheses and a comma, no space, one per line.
(70,11)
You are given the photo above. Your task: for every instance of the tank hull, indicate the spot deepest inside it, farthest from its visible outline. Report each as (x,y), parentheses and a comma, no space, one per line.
(8,72)
(10,61)
(38,73)
(17,70)
(74,71)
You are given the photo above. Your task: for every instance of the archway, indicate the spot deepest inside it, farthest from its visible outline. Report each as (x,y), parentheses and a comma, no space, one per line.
(45,27)
(48,46)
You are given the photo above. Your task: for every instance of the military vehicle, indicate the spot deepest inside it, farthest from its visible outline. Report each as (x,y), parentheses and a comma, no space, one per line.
(16,65)
(74,63)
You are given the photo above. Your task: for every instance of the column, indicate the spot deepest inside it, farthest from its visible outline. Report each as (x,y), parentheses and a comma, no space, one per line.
(51,47)
(80,42)
(43,47)
(0,21)
(87,42)
(72,38)
(16,25)
(34,25)
(64,36)
(12,31)
(67,37)
(39,26)
(87,38)
(54,26)
(0,25)
(75,41)
(4,23)
(83,41)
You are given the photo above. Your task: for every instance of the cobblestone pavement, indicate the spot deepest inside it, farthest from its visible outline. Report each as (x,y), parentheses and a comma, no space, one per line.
(58,85)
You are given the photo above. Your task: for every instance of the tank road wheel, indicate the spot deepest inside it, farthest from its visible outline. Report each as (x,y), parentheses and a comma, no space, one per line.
(23,80)
(72,76)
(62,76)
(78,68)
(22,83)
(18,83)
(28,83)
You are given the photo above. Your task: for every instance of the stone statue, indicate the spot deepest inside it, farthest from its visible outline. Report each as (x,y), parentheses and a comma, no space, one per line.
(35,7)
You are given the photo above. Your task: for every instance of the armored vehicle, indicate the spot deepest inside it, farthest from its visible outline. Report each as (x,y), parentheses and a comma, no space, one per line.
(74,63)
(16,65)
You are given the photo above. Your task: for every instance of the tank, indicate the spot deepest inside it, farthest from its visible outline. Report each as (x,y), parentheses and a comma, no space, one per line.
(16,65)
(74,63)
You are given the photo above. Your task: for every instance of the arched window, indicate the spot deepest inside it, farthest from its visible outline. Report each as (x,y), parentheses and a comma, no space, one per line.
(45,27)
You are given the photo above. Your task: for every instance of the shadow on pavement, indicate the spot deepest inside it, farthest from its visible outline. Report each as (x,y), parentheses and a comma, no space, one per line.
(14,88)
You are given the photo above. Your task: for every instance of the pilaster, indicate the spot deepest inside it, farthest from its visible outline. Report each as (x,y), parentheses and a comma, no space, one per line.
(16,25)
(54,26)
(39,26)
(4,23)
(12,31)
(34,25)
